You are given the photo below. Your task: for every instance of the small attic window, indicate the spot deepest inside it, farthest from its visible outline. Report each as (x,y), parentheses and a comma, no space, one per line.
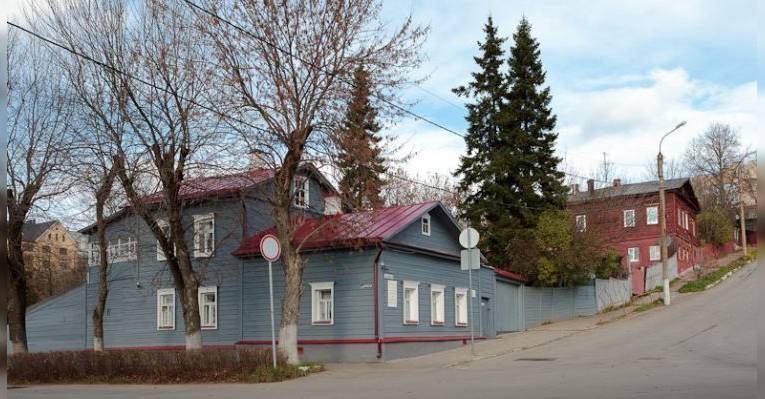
(425,225)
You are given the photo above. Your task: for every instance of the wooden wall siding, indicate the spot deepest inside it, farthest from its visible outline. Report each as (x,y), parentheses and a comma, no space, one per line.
(58,323)
(428,270)
(543,304)
(443,237)
(351,272)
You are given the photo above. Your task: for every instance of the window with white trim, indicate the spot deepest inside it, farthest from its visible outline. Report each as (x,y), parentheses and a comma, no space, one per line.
(411,302)
(425,224)
(680,217)
(654,252)
(166,309)
(120,250)
(323,303)
(652,215)
(581,223)
(436,304)
(633,254)
(204,235)
(208,307)
(165,228)
(302,188)
(629,218)
(685,220)
(460,306)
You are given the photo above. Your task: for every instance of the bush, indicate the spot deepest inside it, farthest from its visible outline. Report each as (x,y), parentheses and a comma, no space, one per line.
(149,366)
(715,227)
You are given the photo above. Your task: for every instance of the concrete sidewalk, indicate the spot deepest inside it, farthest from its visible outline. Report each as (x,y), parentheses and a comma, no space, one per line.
(511,342)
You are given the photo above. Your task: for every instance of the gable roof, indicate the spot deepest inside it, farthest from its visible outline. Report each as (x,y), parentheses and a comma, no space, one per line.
(219,186)
(347,229)
(32,230)
(625,190)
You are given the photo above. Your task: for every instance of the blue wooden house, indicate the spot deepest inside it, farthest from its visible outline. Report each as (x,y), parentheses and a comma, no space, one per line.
(379,285)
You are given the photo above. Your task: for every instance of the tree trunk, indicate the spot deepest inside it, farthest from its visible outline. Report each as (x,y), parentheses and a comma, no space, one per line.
(103,283)
(293,290)
(17,293)
(191,317)
(292,263)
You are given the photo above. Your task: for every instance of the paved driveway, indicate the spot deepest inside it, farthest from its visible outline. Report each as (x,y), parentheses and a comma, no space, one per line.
(703,346)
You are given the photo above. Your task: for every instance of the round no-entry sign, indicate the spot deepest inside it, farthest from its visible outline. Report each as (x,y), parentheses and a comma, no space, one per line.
(270,247)
(469,238)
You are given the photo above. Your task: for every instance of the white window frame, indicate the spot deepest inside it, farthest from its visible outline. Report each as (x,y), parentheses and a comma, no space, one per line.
(437,314)
(652,221)
(163,224)
(581,223)
(200,250)
(635,251)
(160,293)
(461,313)
(412,307)
(316,288)
(679,217)
(634,219)
(201,291)
(685,220)
(301,192)
(425,226)
(654,250)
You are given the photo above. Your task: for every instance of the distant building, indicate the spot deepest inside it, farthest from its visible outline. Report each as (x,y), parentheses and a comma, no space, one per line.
(626,217)
(52,257)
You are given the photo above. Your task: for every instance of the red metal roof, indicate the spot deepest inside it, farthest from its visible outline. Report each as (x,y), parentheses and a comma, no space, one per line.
(511,275)
(346,230)
(209,186)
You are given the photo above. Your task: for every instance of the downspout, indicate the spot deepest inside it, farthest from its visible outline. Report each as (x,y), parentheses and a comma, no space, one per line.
(376,295)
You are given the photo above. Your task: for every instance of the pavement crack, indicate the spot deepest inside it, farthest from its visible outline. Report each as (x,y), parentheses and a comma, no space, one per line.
(682,341)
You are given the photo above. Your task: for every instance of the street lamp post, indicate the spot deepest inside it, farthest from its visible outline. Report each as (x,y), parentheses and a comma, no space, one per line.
(663,216)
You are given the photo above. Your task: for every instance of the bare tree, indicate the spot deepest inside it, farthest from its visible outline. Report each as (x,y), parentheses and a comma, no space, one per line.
(151,67)
(403,188)
(673,169)
(288,66)
(38,110)
(712,157)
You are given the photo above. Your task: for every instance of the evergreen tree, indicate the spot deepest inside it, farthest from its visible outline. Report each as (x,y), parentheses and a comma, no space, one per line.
(360,159)
(510,173)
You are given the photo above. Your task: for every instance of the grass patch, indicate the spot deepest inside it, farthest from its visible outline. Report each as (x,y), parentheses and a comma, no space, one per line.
(648,306)
(702,283)
(152,367)
(547,322)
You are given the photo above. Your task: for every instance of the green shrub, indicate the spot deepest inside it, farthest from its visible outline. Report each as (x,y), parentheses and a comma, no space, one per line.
(714,226)
(149,366)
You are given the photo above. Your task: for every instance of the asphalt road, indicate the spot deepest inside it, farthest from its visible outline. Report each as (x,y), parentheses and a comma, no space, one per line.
(703,346)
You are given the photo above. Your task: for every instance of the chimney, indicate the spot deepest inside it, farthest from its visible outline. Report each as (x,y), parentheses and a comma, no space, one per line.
(617,182)
(574,188)
(258,160)
(590,186)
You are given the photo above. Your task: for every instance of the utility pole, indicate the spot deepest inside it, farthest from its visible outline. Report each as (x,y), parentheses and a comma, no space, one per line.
(663,217)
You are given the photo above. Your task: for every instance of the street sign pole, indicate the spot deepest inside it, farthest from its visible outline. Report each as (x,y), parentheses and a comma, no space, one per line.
(470,305)
(468,239)
(273,325)
(271,249)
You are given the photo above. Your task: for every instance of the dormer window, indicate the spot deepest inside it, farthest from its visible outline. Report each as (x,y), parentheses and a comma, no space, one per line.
(302,187)
(425,225)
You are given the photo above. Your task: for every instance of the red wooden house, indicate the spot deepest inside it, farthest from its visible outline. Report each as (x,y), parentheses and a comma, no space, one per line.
(626,217)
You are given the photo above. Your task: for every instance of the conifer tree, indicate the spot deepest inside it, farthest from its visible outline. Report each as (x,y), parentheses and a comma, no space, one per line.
(509,174)
(360,159)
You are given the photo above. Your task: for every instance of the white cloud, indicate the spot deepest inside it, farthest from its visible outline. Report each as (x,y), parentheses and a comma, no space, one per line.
(627,122)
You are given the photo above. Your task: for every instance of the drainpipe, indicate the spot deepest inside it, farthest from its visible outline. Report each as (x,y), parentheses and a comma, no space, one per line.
(376,295)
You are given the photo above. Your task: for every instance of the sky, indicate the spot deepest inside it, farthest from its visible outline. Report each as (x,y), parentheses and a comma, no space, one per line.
(621,74)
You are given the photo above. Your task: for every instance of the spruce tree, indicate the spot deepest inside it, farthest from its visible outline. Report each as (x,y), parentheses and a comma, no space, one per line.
(360,160)
(509,174)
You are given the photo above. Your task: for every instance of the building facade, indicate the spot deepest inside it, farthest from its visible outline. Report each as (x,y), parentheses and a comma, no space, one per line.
(52,259)
(377,285)
(626,218)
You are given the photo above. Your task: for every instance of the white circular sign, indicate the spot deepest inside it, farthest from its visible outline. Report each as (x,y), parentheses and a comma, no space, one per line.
(469,238)
(270,247)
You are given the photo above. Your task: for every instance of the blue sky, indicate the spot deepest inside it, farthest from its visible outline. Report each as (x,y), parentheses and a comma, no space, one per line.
(621,73)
